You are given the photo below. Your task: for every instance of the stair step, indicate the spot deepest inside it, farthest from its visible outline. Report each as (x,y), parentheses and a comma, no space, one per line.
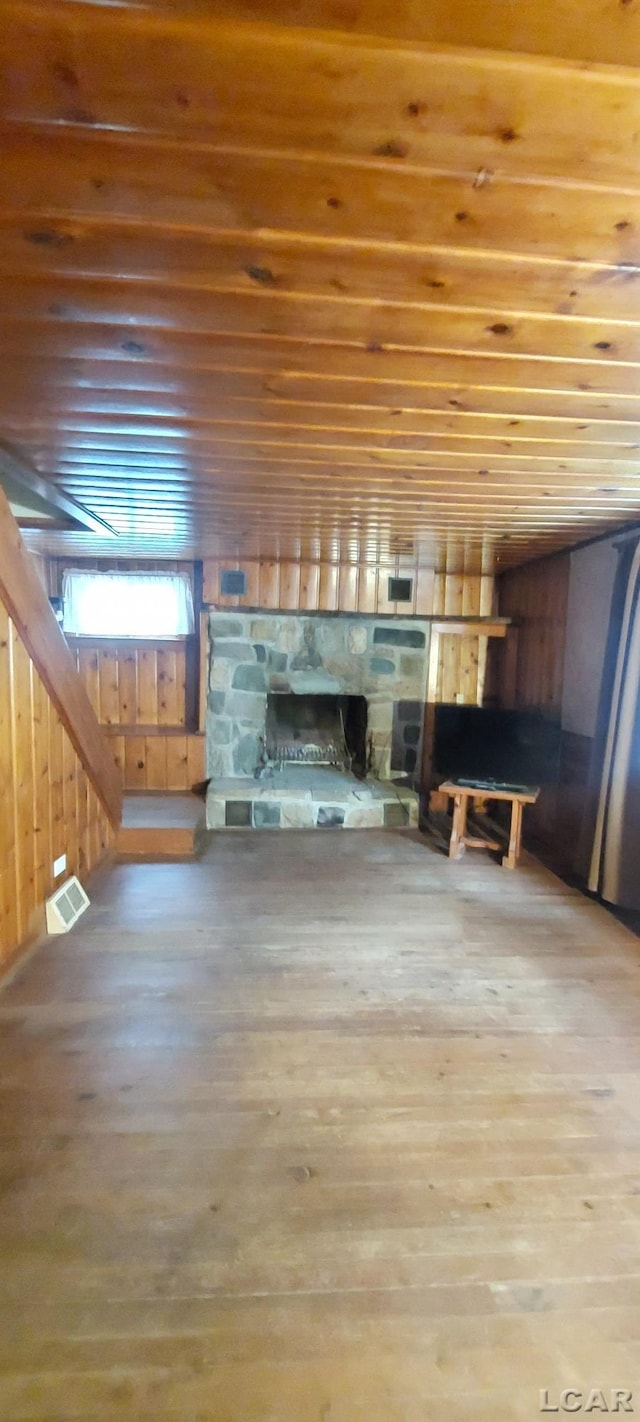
(161,827)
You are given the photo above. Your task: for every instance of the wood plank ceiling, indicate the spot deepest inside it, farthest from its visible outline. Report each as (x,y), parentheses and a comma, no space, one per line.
(352,278)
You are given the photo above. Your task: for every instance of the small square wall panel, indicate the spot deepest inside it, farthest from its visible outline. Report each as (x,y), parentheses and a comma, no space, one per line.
(233,583)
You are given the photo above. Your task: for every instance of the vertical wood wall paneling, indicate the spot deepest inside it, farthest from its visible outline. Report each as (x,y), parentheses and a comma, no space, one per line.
(158,761)
(139,683)
(458,663)
(346,587)
(536,597)
(527,667)
(49,807)
(147,711)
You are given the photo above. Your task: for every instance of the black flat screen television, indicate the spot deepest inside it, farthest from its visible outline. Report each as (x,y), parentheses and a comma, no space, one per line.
(483,743)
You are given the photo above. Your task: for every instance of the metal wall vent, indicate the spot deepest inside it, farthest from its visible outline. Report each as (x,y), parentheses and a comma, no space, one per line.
(233,583)
(400,589)
(65,906)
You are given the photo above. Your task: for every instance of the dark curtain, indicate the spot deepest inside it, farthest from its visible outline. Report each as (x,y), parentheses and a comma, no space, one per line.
(613,824)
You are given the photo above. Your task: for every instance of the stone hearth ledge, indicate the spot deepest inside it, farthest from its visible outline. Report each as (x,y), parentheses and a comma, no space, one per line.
(309,797)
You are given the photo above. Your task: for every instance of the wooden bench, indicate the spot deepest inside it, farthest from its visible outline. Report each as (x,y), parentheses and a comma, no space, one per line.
(462,794)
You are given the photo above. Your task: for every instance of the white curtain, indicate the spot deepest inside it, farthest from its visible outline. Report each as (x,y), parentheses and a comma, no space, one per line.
(127,604)
(615,857)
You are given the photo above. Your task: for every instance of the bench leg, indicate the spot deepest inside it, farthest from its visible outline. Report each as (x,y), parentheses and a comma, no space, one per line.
(510,859)
(458,828)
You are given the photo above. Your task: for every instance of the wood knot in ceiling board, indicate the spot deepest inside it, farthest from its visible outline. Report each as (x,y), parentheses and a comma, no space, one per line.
(462,216)
(374,346)
(603,346)
(508,135)
(500,328)
(334,202)
(133,347)
(263,275)
(622,225)
(393,148)
(183,101)
(48,237)
(65,74)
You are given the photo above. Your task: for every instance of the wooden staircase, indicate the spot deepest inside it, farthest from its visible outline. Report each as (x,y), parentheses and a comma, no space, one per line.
(161,826)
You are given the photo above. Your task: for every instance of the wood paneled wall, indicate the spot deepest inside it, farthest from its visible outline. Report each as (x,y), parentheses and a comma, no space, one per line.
(290,586)
(45,568)
(526,672)
(145,696)
(527,668)
(458,663)
(134,683)
(158,761)
(49,806)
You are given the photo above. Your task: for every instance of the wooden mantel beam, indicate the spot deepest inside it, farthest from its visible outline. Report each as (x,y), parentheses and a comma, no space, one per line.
(472,626)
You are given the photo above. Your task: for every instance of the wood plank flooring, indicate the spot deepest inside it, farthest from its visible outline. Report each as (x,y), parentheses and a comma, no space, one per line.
(321,1128)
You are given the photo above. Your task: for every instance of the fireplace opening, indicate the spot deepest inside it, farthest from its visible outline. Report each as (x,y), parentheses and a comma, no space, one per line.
(317,730)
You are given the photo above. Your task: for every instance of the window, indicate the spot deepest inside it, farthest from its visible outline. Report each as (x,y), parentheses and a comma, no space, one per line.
(127,604)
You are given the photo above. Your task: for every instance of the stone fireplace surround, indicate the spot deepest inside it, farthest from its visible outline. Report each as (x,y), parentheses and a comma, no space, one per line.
(253,654)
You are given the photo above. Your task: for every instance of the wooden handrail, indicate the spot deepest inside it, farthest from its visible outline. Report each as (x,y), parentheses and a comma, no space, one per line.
(28,606)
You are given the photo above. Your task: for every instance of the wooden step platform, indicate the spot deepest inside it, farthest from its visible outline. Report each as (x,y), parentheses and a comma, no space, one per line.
(161,826)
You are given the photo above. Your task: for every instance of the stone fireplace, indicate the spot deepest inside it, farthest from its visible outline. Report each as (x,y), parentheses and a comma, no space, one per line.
(295,696)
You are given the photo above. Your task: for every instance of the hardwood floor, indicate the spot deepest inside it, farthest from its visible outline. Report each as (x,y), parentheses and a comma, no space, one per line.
(321,1128)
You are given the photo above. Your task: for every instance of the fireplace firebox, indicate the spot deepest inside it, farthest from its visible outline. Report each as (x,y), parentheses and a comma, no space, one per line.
(317,730)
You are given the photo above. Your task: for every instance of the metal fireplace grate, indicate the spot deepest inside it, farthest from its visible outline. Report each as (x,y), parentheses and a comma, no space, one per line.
(307,753)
